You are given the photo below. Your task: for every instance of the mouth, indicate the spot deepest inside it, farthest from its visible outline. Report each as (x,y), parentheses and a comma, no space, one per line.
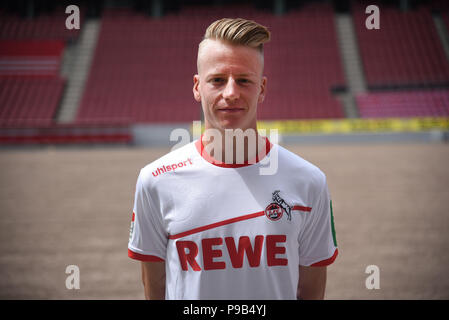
(230,110)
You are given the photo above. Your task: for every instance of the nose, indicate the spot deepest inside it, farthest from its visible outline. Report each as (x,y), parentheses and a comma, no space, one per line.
(231,91)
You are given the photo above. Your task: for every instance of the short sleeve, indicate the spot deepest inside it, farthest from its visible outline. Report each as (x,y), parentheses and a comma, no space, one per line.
(317,241)
(148,238)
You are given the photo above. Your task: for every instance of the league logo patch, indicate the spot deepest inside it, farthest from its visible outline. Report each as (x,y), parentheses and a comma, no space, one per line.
(275,210)
(131,229)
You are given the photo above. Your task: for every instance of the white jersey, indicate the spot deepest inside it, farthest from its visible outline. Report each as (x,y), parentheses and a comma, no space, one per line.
(227,231)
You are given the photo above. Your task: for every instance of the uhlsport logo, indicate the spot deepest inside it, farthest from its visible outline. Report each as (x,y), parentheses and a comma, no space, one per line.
(275,210)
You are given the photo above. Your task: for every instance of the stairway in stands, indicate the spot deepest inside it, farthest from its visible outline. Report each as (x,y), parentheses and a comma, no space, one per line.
(351,63)
(76,66)
(443,32)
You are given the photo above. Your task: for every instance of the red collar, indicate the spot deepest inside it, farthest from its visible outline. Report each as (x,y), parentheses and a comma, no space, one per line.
(200,147)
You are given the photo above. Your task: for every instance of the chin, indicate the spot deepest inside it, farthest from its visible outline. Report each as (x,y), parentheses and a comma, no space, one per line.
(230,125)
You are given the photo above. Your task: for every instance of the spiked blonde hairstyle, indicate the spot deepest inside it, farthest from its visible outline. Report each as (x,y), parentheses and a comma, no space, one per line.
(239,32)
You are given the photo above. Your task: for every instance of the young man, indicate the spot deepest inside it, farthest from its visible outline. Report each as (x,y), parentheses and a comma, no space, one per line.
(207,225)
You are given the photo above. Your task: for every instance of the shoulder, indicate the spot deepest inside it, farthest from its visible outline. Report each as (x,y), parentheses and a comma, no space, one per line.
(168,163)
(298,167)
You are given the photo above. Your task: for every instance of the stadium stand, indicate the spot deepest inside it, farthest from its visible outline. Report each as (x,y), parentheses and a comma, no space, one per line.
(30,57)
(29,101)
(142,69)
(43,27)
(31,87)
(429,103)
(65,134)
(445,17)
(132,77)
(405,52)
(303,66)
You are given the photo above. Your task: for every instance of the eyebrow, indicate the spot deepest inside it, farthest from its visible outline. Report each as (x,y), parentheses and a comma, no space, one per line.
(238,75)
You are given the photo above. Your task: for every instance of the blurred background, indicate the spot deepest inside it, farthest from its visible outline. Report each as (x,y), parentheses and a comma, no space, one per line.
(82,110)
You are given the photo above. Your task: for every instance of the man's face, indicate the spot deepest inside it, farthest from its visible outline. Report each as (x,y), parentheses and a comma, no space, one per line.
(229,85)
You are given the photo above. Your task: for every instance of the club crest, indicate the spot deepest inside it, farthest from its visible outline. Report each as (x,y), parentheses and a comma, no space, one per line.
(275,210)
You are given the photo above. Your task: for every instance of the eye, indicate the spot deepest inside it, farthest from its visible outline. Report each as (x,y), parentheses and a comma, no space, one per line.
(243,81)
(217,80)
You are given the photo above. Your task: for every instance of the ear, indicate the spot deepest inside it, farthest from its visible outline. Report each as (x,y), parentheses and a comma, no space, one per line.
(263,87)
(196,92)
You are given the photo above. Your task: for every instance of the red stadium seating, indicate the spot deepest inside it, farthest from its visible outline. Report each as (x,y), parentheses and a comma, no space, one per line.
(143,67)
(432,103)
(30,86)
(43,27)
(405,52)
(66,134)
(29,101)
(303,64)
(30,57)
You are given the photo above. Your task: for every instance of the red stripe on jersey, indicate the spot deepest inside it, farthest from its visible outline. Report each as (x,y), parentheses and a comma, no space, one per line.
(144,257)
(229,221)
(301,208)
(217,224)
(327,261)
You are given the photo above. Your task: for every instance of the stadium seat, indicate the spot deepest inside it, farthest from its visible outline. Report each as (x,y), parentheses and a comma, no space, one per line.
(30,57)
(29,101)
(429,103)
(49,26)
(405,52)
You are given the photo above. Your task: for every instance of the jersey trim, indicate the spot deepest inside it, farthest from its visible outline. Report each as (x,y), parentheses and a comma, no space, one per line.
(301,208)
(334,236)
(229,221)
(217,224)
(200,147)
(326,262)
(143,257)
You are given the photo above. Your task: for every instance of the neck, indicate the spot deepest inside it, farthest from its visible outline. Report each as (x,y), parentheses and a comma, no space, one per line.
(234,146)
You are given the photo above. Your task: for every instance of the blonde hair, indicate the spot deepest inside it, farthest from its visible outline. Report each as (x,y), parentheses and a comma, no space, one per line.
(239,32)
